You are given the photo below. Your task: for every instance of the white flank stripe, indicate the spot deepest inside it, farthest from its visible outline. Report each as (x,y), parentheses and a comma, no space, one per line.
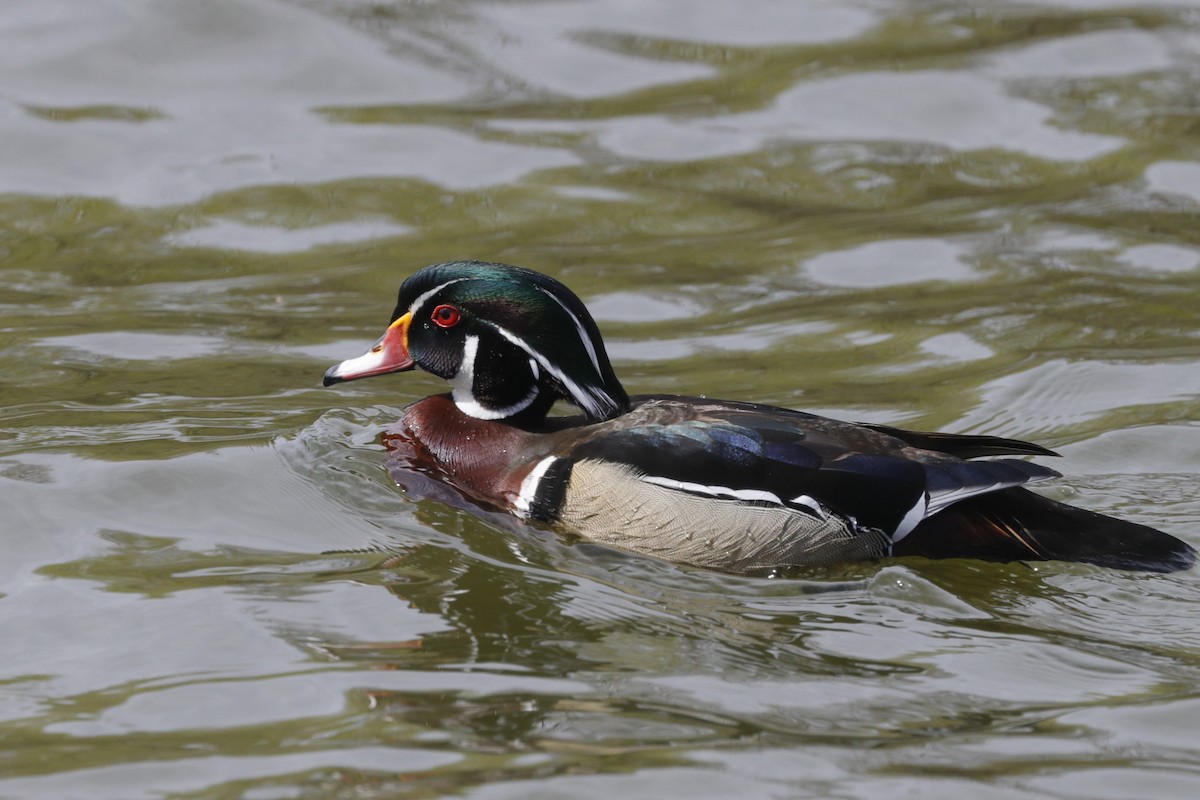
(715,491)
(808,502)
(462,388)
(587,340)
(914,515)
(944,500)
(530,486)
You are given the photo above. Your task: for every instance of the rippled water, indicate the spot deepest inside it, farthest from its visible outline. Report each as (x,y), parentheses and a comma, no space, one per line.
(978,218)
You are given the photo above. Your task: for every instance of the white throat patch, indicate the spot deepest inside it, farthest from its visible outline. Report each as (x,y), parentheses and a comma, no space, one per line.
(462,388)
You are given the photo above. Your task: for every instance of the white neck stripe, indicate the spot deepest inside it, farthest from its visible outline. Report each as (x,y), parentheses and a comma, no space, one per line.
(462,387)
(463,382)
(473,408)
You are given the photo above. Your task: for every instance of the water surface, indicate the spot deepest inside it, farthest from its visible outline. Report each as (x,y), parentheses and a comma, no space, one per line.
(978,218)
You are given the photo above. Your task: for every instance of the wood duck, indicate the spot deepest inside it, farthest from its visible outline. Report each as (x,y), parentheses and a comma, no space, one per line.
(731,486)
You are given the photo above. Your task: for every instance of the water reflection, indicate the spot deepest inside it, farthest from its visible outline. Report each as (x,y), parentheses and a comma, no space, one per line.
(890,263)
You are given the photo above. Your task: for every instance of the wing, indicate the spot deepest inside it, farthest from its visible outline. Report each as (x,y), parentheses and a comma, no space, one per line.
(766,455)
(963,445)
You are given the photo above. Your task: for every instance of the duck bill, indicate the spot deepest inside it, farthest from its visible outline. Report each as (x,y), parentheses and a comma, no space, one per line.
(389,354)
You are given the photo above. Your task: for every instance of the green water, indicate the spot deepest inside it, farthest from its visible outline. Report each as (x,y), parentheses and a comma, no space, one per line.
(978,218)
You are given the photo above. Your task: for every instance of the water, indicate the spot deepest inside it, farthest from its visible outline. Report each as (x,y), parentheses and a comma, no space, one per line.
(974,218)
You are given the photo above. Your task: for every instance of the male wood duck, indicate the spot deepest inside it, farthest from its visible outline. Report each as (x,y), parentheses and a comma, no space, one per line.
(731,486)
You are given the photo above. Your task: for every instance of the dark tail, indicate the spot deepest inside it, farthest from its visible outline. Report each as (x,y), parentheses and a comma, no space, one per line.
(1018,525)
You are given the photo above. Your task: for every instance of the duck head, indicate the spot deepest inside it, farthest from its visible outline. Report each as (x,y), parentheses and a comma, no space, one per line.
(510,341)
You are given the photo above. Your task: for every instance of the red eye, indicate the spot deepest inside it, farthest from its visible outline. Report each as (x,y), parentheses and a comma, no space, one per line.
(446,316)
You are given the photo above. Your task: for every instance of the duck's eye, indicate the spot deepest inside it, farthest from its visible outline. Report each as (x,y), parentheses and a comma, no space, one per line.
(446,316)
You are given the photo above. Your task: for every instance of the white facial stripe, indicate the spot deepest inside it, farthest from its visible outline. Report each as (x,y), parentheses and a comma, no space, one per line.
(530,486)
(587,340)
(462,388)
(594,402)
(715,491)
(412,309)
(914,515)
